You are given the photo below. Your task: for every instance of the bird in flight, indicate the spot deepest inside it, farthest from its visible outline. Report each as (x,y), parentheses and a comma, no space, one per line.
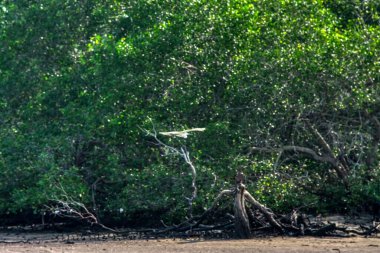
(182,134)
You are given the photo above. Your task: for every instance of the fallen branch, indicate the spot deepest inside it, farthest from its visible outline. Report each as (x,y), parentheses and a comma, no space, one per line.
(67,207)
(268,214)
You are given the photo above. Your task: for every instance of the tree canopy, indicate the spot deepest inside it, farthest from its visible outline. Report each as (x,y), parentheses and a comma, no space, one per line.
(288,92)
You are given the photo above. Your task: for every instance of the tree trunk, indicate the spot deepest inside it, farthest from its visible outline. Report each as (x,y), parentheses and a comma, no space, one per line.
(242,228)
(372,155)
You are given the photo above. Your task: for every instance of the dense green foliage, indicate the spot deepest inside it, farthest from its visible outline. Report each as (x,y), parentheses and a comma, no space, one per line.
(79,80)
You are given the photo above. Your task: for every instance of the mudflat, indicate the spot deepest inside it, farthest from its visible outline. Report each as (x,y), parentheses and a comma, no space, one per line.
(262,245)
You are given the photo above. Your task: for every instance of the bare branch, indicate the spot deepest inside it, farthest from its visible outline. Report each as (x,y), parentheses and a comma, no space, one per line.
(311,153)
(325,146)
(372,152)
(214,205)
(182,152)
(268,214)
(65,206)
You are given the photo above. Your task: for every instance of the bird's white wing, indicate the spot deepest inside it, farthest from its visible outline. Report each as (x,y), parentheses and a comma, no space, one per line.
(184,133)
(175,134)
(195,130)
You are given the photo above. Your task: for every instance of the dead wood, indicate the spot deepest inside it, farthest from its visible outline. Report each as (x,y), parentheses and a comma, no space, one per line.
(267,213)
(242,228)
(250,217)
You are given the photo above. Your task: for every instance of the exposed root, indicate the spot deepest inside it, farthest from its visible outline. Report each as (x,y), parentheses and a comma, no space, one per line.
(246,221)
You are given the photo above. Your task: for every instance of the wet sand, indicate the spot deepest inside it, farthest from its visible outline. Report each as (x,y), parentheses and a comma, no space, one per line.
(269,244)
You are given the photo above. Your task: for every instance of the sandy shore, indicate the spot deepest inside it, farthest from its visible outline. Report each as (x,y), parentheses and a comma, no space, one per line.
(275,244)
